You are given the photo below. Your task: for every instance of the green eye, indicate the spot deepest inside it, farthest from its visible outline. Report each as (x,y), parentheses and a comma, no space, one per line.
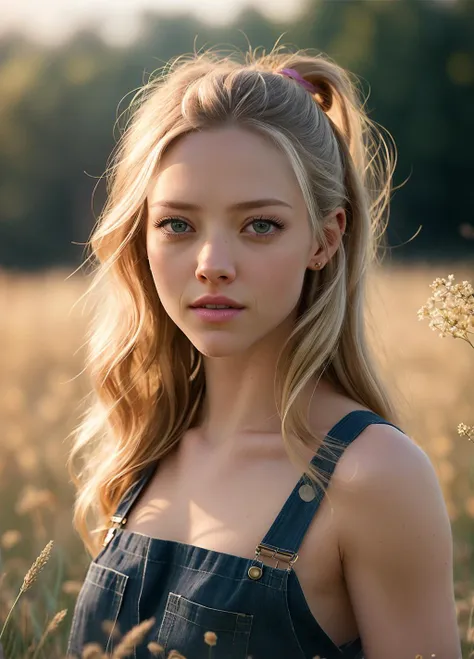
(260,222)
(178,222)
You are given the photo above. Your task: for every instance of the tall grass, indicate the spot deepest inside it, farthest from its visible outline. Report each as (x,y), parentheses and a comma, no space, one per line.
(42,339)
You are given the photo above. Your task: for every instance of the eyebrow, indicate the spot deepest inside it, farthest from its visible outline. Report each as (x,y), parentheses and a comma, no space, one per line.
(241,205)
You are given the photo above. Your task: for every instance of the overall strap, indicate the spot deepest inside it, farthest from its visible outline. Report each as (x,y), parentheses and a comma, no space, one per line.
(287,531)
(119,518)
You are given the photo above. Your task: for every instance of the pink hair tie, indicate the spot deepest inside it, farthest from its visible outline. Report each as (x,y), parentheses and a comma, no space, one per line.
(291,73)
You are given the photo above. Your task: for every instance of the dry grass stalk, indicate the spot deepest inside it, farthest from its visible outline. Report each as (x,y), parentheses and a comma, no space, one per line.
(133,638)
(53,624)
(210,638)
(36,568)
(111,628)
(155,648)
(92,651)
(30,578)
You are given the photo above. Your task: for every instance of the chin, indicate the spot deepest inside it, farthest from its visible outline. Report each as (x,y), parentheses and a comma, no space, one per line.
(218,348)
(220,345)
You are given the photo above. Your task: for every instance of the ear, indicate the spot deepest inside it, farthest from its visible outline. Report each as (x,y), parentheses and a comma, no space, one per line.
(334,228)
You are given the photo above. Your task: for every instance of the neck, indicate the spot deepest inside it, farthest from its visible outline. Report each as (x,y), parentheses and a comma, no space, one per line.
(239,401)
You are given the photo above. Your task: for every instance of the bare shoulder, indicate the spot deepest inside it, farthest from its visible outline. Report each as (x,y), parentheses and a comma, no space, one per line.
(381,451)
(396,546)
(382,472)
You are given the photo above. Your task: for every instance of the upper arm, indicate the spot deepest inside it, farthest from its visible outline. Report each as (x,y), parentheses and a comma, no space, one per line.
(396,547)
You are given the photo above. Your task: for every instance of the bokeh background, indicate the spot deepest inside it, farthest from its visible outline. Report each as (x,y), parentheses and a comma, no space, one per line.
(68,70)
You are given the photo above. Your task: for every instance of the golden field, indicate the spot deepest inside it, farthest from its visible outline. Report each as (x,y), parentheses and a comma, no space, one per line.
(42,347)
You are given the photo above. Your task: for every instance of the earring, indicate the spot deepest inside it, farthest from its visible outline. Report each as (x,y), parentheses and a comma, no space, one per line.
(318,265)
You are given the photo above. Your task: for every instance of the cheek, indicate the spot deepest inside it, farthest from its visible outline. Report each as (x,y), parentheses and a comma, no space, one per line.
(280,279)
(167,275)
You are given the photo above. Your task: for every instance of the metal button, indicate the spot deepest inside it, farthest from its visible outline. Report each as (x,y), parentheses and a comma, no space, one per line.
(255,572)
(306,492)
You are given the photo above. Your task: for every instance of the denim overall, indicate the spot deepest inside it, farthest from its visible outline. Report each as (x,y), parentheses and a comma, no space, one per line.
(256,611)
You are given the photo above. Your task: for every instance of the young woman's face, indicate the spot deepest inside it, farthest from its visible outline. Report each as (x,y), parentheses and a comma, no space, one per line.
(218,250)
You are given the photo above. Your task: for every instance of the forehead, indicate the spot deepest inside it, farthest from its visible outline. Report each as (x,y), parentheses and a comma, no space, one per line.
(226,162)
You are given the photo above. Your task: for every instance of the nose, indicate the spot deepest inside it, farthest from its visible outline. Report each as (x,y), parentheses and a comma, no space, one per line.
(215,261)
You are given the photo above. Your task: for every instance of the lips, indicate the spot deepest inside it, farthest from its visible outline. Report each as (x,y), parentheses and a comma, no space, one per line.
(217,315)
(217,300)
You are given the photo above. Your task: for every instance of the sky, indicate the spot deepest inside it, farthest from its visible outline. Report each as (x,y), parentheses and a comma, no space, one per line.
(118,21)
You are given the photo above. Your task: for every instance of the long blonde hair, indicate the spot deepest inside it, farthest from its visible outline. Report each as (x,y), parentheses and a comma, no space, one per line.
(148,381)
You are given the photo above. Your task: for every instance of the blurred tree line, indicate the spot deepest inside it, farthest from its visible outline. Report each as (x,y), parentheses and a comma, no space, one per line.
(59,106)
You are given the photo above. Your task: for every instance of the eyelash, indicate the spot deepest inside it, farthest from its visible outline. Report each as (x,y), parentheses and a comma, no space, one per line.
(159,224)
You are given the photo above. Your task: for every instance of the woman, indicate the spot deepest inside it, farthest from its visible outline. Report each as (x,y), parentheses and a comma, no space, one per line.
(234,506)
